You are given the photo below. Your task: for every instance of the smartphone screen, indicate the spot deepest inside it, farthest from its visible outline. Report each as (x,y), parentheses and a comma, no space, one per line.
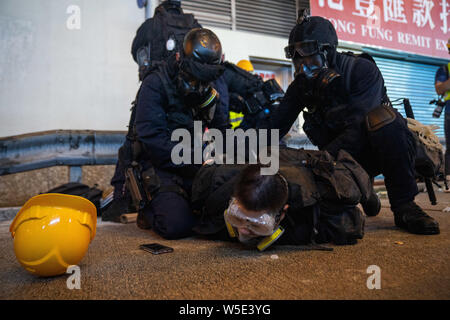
(155,248)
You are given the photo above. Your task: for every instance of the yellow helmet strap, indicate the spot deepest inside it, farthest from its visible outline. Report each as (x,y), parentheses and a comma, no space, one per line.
(265,242)
(269,240)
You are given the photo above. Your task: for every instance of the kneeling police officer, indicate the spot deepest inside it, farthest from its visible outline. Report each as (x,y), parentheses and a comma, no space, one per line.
(346,107)
(183,89)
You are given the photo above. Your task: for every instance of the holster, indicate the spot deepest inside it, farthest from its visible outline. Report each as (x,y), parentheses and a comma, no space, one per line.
(133,183)
(143,185)
(151,182)
(380,117)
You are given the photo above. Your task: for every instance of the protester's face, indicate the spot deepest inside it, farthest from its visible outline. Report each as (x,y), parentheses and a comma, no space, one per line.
(247,229)
(251,225)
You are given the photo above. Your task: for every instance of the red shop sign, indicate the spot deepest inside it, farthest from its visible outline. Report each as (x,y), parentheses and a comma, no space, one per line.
(415,26)
(265,75)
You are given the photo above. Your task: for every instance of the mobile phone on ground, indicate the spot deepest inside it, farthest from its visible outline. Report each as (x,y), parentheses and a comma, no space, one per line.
(155,248)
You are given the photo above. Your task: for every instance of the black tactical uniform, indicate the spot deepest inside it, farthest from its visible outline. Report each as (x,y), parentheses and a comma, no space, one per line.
(172,96)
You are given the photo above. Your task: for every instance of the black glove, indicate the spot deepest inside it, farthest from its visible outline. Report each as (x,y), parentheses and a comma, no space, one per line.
(327,83)
(237,103)
(300,86)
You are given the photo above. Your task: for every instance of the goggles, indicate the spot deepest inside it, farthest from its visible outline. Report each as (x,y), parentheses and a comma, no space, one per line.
(305,48)
(263,225)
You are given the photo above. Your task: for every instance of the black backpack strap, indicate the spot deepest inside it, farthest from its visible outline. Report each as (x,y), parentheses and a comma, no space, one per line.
(169,88)
(132,133)
(348,60)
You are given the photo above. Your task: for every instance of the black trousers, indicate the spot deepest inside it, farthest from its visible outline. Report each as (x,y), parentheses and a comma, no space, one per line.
(169,213)
(391,151)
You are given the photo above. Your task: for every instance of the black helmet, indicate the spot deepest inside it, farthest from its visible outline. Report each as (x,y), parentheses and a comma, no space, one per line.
(203,46)
(310,30)
(200,65)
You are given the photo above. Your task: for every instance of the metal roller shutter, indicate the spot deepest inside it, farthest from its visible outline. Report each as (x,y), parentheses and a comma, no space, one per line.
(275,18)
(415,81)
(214,13)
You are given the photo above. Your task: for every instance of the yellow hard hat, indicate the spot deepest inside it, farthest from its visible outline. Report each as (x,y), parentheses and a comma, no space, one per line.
(246,65)
(52,231)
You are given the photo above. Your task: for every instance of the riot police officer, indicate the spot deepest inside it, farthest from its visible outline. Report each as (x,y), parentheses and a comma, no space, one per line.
(183,89)
(345,106)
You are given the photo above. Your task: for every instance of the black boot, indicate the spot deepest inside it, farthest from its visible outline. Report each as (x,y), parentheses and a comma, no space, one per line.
(115,210)
(412,218)
(372,206)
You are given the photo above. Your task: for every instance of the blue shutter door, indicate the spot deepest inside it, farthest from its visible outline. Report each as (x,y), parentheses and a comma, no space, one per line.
(414,81)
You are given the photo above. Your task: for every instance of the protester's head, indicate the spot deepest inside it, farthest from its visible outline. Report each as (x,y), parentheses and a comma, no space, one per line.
(448,45)
(258,204)
(312,45)
(200,65)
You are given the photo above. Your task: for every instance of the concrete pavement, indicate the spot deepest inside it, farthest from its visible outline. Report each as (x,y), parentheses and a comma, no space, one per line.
(412,267)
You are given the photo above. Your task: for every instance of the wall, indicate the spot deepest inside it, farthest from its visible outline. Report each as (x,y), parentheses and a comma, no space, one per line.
(239,45)
(52,77)
(56,78)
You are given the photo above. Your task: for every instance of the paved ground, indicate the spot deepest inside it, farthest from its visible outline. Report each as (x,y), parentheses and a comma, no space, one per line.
(412,267)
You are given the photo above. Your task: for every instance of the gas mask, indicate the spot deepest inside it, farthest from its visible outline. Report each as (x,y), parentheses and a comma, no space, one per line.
(264,229)
(198,95)
(310,61)
(309,57)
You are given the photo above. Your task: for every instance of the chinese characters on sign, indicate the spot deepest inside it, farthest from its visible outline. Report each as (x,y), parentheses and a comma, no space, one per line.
(265,75)
(416,26)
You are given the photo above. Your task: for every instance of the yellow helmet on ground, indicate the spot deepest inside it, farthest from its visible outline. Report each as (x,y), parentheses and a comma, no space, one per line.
(52,231)
(246,65)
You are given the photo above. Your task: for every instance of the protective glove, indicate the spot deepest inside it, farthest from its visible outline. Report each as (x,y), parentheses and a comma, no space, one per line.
(327,83)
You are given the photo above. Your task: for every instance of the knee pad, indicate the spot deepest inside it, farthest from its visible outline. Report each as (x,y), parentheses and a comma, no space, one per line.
(380,117)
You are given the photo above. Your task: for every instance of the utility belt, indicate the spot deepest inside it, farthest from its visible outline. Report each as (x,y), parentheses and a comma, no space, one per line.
(144,185)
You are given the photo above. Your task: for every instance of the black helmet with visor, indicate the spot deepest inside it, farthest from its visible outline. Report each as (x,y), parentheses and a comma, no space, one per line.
(312,45)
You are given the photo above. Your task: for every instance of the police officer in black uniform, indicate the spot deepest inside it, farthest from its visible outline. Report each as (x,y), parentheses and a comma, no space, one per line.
(345,106)
(183,89)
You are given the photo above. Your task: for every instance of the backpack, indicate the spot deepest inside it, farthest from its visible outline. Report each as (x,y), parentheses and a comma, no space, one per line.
(79,189)
(429,161)
(161,36)
(321,177)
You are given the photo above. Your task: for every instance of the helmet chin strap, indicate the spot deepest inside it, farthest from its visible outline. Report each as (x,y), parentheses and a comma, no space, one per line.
(265,242)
